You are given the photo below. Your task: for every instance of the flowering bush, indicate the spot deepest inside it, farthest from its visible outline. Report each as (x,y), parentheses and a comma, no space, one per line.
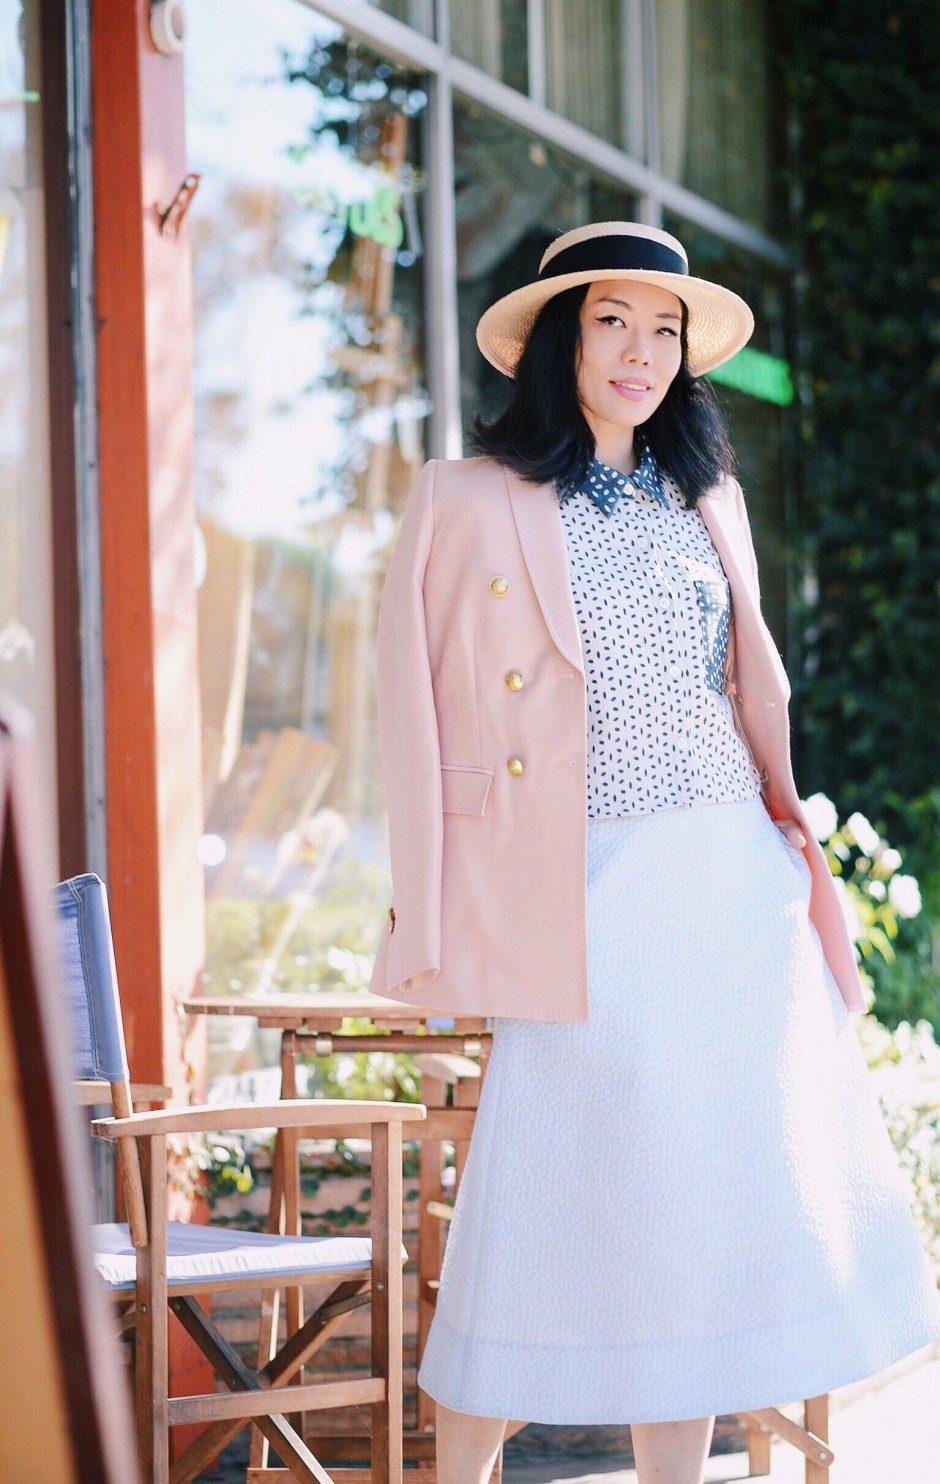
(875,896)
(905,1064)
(881,906)
(210,1166)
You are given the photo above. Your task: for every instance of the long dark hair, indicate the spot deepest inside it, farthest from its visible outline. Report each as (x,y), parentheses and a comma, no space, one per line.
(543,435)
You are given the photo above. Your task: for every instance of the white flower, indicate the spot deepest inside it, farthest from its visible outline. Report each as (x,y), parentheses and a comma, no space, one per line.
(904,895)
(890,858)
(878,890)
(853,921)
(821,816)
(866,836)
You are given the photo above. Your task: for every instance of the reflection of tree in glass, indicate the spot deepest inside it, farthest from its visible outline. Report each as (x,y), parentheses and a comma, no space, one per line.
(278,256)
(308,283)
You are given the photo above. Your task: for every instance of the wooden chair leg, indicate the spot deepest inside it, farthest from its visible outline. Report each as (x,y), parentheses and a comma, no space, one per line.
(758,1453)
(430,1238)
(152,1369)
(816,1421)
(387,1290)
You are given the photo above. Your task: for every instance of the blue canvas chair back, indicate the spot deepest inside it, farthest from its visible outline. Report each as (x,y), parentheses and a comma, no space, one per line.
(87,955)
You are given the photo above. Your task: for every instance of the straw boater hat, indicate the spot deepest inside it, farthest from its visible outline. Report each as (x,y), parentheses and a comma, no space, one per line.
(719,323)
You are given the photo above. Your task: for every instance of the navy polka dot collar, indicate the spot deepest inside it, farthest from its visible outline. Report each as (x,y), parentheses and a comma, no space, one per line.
(605,486)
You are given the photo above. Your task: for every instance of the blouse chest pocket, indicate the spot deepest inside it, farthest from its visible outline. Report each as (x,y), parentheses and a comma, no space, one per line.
(714,606)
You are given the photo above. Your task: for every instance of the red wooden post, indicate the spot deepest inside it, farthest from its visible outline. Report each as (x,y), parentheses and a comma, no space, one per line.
(152,718)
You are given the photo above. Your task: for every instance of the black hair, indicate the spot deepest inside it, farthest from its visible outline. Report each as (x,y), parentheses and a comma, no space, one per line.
(543,435)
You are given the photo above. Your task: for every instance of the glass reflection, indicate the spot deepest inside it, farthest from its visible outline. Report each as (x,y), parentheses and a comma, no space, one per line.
(494,36)
(716,89)
(759,426)
(310,405)
(419,14)
(514,195)
(26,643)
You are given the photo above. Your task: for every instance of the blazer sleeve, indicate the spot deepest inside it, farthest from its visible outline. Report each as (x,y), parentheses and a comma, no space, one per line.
(741,509)
(409,956)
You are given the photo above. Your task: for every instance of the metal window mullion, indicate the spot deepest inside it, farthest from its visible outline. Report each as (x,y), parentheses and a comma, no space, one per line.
(651,85)
(446,440)
(535,44)
(84,340)
(633,91)
(648,83)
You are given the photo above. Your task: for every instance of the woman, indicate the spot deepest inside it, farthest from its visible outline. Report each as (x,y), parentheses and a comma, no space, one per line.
(680,1198)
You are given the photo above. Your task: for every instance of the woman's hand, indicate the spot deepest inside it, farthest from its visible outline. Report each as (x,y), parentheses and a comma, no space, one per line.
(791,830)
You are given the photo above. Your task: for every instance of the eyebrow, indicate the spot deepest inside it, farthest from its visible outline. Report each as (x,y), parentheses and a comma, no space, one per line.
(625,304)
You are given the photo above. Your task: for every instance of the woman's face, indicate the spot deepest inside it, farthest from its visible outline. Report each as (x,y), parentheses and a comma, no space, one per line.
(631,350)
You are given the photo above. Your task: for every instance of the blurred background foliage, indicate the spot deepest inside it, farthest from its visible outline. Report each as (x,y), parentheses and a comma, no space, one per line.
(862,80)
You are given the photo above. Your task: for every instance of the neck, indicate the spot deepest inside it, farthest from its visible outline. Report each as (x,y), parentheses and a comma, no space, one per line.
(617,457)
(615,447)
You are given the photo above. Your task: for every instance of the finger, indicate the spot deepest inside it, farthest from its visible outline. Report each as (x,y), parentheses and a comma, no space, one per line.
(791,831)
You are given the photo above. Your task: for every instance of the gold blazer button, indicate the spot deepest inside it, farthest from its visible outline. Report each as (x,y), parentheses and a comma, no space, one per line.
(391,919)
(515,680)
(516,767)
(499,586)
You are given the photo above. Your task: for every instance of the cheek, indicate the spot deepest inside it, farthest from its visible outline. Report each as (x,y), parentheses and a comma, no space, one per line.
(671,357)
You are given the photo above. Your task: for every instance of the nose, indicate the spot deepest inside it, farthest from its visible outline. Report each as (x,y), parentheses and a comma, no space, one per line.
(636,350)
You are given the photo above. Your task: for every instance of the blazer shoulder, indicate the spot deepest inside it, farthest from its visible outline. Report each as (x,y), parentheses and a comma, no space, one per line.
(461,480)
(726,492)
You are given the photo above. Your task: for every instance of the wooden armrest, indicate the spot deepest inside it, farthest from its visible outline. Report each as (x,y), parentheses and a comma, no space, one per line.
(440,1210)
(86,1093)
(449,1066)
(311,1113)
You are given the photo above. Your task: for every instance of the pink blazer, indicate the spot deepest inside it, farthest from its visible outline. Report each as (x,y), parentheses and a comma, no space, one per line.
(489,861)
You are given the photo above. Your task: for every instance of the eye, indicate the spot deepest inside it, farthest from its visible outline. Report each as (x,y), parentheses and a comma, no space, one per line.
(610,319)
(668,330)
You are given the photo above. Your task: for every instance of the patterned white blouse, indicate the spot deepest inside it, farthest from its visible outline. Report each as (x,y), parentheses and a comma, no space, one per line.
(653,608)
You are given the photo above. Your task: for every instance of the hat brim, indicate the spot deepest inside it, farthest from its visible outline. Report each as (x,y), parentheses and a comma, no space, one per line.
(719,322)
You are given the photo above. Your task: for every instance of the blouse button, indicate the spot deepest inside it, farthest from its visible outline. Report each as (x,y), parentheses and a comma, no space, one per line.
(674,671)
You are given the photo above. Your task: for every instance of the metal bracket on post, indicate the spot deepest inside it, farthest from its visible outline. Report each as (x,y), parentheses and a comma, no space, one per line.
(171,219)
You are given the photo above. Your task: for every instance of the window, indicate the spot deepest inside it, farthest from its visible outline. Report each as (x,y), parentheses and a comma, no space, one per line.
(27,670)
(308,250)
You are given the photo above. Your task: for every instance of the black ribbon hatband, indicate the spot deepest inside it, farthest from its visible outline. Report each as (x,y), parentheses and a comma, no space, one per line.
(612,252)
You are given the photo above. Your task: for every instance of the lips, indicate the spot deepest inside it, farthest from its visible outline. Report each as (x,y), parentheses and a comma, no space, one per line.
(634,388)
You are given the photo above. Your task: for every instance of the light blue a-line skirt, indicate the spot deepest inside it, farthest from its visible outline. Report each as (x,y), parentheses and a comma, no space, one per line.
(689,1204)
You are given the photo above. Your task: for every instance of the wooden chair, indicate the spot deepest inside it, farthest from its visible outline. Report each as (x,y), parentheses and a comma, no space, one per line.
(811,1438)
(153,1264)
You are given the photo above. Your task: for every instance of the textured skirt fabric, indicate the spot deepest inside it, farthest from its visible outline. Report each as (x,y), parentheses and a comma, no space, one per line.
(689,1204)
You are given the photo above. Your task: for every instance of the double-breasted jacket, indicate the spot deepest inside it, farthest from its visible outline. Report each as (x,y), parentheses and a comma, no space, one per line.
(483,727)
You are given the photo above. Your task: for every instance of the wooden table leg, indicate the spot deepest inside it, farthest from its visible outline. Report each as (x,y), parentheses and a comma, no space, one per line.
(283,1217)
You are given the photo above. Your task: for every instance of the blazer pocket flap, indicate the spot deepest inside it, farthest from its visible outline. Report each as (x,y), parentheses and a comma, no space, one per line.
(465,790)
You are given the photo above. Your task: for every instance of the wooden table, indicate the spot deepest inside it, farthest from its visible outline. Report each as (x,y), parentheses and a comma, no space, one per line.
(318,1024)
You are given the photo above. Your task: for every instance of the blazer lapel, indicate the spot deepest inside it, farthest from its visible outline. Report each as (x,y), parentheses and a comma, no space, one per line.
(542,538)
